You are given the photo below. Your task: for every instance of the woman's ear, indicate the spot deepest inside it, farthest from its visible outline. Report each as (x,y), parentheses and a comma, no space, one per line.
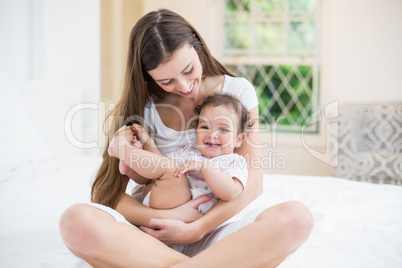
(240,139)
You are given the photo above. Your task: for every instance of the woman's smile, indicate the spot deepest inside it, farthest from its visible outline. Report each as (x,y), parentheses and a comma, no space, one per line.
(190,90)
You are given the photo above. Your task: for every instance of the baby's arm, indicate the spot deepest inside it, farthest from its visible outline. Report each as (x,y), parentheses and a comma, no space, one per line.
(222,184)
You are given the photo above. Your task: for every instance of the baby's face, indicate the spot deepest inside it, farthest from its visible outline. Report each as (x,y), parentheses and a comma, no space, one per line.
(216,133)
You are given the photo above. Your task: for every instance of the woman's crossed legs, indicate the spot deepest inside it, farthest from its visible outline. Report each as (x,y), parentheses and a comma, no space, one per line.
(99,239)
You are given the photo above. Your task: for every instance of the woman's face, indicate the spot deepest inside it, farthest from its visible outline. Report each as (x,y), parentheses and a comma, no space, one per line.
(181,74)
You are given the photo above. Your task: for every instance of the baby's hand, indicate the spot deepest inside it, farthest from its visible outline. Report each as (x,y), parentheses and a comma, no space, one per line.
(189,167)
(123,136)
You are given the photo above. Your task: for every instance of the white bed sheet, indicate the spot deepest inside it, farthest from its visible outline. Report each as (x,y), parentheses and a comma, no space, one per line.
(356,224)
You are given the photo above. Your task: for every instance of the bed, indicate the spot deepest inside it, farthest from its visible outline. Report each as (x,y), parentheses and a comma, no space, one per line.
(357,224)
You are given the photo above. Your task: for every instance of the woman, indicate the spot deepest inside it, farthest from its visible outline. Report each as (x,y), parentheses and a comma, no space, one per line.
(169,71)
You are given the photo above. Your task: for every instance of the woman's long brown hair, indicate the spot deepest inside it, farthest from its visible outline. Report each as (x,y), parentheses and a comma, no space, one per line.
(153,40)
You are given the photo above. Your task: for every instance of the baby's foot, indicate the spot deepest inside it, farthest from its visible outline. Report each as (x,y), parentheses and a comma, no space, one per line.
(122,136)
(123,168)
(112,147)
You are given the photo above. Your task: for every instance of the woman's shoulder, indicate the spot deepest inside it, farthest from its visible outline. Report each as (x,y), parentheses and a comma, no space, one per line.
(242,89)
(237,81)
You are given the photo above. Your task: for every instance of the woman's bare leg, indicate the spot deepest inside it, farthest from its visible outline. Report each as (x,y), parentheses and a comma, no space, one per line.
(96,237)
(276,233)
(101,241)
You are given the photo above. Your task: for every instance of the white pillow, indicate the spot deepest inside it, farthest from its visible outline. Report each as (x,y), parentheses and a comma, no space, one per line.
(20,138)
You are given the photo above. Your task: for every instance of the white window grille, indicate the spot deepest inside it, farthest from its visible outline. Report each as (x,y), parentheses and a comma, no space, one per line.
(274,44)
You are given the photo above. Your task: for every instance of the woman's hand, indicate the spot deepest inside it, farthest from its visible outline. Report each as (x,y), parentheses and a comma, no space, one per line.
(173,231)
(178,229)
(188,212)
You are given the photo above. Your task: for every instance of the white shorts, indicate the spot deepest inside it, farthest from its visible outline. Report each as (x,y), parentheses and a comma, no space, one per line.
(208,240)
(116,215)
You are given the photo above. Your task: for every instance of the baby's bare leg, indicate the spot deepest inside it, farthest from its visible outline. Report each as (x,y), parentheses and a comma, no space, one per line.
(169,191)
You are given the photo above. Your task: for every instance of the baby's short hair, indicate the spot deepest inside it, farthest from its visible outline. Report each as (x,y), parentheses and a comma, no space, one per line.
(229,101)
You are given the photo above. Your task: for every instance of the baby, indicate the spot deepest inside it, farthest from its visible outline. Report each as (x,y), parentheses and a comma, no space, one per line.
(210,167)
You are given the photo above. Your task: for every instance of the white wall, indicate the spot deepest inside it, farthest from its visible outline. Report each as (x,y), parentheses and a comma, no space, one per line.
(52,47)
(72,64)
(14,29)
(365,51)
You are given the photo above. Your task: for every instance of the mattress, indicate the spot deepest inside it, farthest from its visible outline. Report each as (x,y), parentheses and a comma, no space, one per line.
(357,224)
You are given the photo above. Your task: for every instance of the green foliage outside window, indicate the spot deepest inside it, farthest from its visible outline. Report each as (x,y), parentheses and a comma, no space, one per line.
(295,104)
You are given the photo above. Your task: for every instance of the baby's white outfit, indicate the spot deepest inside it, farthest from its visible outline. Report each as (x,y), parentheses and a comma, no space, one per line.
(232,164)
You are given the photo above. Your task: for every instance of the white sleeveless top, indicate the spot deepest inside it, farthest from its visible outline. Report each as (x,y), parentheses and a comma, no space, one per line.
(169,140)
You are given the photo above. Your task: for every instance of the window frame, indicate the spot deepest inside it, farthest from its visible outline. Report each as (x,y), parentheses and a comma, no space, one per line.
(284,58)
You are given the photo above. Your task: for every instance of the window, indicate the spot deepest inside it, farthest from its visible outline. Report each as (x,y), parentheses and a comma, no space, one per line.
(273,43)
